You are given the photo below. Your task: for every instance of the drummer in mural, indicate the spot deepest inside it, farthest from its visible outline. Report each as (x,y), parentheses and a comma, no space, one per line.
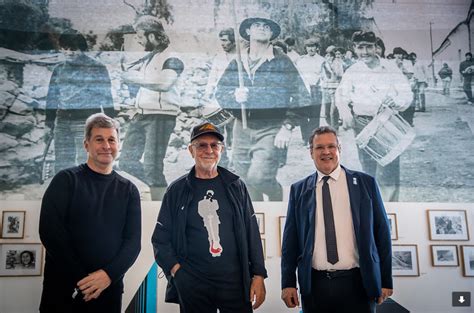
(271,88)
(366,87)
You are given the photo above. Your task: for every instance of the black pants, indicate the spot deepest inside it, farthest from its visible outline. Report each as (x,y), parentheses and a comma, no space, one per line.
(201,296)
(337,292)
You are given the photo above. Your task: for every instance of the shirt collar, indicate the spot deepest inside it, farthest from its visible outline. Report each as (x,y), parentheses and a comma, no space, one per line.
(334,174)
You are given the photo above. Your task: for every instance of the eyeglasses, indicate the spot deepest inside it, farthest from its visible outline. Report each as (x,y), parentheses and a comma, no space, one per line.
(203,146)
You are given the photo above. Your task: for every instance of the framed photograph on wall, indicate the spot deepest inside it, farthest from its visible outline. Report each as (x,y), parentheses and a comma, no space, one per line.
(13,224)
(21,259)
(264,247)
(261,222)
(392,220)
(444,255)
(281,227)
(405,260)
(448,225)
(467,256)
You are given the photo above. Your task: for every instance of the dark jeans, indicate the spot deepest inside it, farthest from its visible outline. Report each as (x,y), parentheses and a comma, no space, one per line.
(341,292)
(147,136)
(199,296)
(59,300)
(468,88)
(309,116)
(256,159)
(388,176)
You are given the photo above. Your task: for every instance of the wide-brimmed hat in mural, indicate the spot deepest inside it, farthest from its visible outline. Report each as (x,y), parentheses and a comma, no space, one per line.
(249,21)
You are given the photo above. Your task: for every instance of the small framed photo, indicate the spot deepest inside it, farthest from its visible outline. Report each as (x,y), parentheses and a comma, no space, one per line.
(13,224)
(444,255)
(392,220)
(405,260)
(21,259)
(448,225)
(467,256)
(261,222)
(281,222)
(264,247)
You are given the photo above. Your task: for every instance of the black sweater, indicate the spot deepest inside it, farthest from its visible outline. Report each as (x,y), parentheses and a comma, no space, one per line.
(89,221)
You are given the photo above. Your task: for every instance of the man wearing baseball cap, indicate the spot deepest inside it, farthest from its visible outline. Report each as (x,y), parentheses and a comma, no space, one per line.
(272,89)
(207,239)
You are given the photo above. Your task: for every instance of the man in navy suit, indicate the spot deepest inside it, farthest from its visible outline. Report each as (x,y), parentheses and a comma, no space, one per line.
(336,236)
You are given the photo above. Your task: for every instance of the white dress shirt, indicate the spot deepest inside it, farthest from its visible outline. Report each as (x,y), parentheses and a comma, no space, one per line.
(345,235)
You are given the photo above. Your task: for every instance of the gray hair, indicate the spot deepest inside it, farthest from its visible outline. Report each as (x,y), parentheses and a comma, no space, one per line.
(322,130)
(100,120)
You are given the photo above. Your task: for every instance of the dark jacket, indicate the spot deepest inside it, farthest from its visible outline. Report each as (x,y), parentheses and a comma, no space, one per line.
(78,89)
(169,238)
(370,226)
(275,89)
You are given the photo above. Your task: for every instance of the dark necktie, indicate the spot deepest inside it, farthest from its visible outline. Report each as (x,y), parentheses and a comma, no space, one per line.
(330,231)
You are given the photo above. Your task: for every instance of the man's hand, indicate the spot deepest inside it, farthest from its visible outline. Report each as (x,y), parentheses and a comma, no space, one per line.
(290,297)
(257,291)
(385,294)
(175,268)
(282,138)
(388,101)
(347,123)
(241,94)
(93,284)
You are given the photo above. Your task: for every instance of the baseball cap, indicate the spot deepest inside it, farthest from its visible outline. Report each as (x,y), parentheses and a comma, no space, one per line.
(206,128)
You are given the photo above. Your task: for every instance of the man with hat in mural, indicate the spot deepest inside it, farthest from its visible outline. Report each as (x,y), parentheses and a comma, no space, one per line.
(272,89)
(206,238)
(157,103)
(367,85)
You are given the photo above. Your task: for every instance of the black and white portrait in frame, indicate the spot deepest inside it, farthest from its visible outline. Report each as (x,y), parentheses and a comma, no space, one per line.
(21,259)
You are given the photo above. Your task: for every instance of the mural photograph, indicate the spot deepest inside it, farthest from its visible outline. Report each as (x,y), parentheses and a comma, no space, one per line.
(394,78)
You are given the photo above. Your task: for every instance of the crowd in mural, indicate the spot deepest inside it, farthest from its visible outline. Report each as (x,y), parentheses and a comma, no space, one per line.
(279,90)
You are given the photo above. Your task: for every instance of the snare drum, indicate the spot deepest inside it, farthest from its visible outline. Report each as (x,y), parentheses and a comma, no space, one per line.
(386,136)
(217,116)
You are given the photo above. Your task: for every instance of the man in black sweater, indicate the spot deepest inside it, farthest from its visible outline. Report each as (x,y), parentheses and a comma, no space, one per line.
(90,225)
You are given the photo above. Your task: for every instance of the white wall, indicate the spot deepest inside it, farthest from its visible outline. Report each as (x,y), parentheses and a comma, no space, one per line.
(430,292)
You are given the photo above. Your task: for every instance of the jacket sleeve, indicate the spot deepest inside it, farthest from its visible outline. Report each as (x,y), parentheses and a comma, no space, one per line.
(165,254)
(289,249)
(255,249)
(131,239)
(54,236)
(226,87)
(382,237)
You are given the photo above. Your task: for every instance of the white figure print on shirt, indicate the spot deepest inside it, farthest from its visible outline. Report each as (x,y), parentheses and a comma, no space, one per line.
(207,209)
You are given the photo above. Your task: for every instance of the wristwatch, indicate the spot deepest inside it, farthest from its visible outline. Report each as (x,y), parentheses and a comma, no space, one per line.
(288,126)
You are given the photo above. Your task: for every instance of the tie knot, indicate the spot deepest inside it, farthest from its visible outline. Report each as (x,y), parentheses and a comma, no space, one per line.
(326,178)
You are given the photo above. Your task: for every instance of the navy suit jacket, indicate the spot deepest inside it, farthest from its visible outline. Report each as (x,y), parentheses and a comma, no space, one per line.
(371,228)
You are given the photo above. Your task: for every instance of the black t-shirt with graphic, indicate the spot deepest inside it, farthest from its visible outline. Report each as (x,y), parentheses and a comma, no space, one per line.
(211,244)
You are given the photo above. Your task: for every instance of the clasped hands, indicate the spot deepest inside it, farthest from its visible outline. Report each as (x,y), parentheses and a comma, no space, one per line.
(93,284)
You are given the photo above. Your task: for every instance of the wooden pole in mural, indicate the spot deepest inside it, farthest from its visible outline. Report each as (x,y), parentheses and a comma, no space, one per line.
(239,62)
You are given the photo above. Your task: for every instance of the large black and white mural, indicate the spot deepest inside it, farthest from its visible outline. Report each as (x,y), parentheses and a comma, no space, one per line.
(393,77)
